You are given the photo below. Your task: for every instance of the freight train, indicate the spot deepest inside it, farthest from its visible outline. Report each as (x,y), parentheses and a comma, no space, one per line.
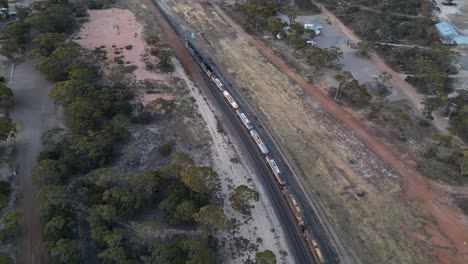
(278,175)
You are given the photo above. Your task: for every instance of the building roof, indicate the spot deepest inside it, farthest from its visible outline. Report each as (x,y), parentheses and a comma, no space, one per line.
(446,30)
(449,35)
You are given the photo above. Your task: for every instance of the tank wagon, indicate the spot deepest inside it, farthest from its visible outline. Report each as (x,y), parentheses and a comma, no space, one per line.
(230,100)
(278,175)
(274,167)
(244,119)
(259,141)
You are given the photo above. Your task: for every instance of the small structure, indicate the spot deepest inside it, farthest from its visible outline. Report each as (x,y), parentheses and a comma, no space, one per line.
(449,35)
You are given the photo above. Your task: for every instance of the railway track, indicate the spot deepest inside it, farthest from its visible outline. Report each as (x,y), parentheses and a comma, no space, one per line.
(294,238)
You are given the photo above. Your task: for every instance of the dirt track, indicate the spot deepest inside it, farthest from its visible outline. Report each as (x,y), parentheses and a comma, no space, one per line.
(34,113)
(335,162)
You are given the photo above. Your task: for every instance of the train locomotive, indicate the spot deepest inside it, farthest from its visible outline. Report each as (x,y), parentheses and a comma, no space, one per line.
(278,175)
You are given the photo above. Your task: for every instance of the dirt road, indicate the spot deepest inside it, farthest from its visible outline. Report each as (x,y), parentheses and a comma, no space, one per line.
(34,113)
(397,79)
(415,186)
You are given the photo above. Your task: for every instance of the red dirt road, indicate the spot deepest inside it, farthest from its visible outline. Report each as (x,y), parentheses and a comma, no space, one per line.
(446,232)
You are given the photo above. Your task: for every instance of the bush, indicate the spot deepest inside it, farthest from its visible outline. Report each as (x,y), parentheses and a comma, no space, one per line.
(5,259)
(128,47)
(165,150)
(143,118)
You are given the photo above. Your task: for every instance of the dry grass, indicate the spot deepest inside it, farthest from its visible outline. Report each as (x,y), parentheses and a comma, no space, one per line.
(332,160)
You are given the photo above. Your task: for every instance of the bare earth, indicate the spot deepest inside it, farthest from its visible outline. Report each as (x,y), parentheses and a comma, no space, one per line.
(403,217)
(97,32)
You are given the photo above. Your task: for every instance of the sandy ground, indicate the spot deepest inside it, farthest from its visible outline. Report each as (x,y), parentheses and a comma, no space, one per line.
(115,34)
(256,229)
(403,218)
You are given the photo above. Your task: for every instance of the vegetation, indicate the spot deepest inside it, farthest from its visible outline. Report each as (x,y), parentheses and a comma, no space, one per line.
(265,257)
(448,149)
(5,192)
(10,222)
(165,150)
(161,50)
(5,93)
(350,90)
(7,128)
(242,197)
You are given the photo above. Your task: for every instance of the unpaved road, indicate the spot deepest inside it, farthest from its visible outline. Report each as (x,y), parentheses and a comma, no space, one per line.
(34,113)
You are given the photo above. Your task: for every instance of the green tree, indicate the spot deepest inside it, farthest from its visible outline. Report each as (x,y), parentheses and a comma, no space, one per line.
(275,25)
(65,251)
(6,259)
(463,163)
(11,222)
(197,251)
(291,11)
(82,115)
(5,93)
(182,159)
(265,257)
(298,28)
(114,255)
(365,47)
(157,255)
(22,12)
(14,39)
(7,128)
(184,211)
(58,227)
(296,41)
(199,179)
(56,18)
(54,67)
(146,186)
(48,42)
(242,197)
(212,218)
(49,172)
(122,199)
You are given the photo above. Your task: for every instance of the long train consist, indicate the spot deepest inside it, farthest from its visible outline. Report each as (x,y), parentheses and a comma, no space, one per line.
(291,200)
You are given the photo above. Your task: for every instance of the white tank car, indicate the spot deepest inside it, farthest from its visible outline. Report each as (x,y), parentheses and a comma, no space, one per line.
(274,167)
(292,202)
(259,141)
(230,100)
(218,83)
(244,119)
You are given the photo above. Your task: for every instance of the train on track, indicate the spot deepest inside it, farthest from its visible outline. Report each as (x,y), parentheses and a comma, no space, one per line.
(278,175)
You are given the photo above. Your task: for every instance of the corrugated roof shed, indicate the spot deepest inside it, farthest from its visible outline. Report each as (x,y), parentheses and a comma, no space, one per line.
(446,30)
(449,35)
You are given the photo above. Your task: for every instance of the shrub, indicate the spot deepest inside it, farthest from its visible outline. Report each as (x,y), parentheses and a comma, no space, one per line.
(165,150)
